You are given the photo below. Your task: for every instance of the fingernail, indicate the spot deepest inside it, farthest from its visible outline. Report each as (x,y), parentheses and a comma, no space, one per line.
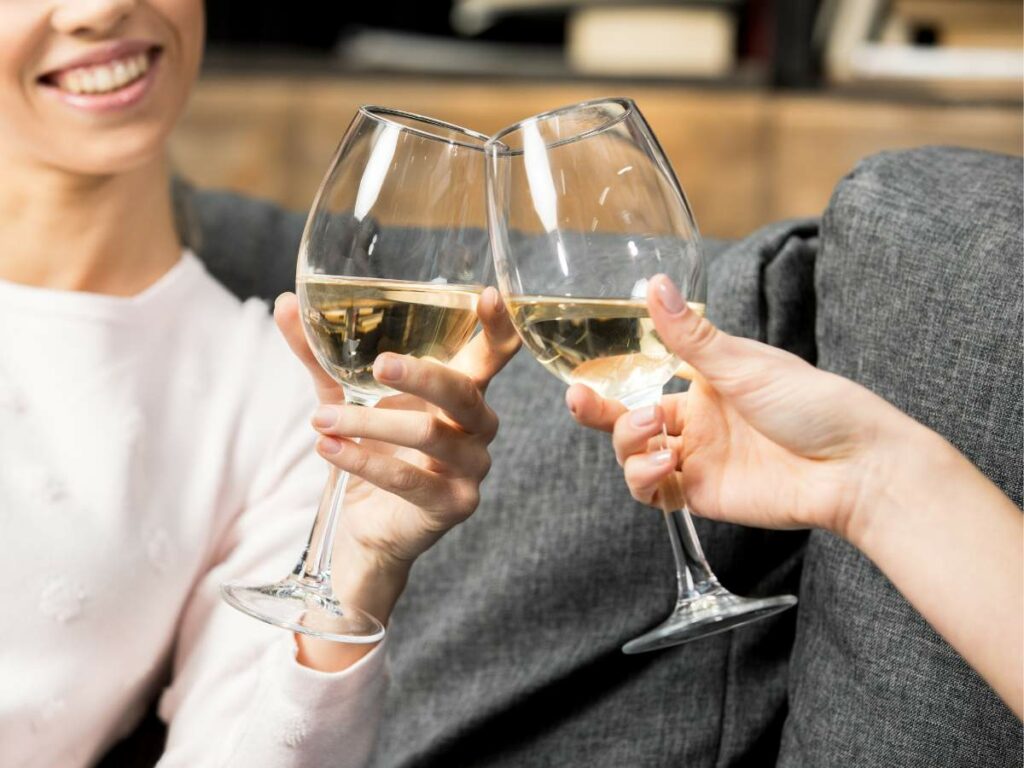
(324,417)
(569,403)
(497,304)
(660,459)
(389,368)
(278,300)
(329,446)
(642,417)
(670,297)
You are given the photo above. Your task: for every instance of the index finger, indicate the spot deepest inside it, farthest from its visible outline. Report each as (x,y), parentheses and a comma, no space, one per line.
(455,393)
(592,410)
(488,352)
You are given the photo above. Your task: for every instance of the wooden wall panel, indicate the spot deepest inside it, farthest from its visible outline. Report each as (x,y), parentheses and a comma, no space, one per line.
(815,142)
(745,158)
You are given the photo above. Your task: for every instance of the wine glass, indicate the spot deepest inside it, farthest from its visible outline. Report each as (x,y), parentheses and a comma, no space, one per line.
(583,209)
(393,259)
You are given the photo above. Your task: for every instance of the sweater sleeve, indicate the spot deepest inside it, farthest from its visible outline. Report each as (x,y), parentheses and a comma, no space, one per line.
(238,695)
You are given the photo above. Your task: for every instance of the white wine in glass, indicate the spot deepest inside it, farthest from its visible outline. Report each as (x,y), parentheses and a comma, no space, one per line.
(584,209)
(610,345)
(393,259)
(352,320)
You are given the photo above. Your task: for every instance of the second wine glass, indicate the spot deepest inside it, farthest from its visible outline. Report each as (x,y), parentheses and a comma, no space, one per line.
(584,208)
(393,259)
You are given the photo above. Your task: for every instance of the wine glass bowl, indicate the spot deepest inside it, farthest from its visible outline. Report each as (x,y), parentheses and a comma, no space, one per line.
(584,209)
(393,258)
(576,194)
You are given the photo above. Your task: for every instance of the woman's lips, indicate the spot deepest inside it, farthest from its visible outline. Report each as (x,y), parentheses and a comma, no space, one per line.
(116,83)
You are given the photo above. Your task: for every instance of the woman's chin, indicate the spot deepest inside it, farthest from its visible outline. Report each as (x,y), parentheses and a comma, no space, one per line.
(110,155)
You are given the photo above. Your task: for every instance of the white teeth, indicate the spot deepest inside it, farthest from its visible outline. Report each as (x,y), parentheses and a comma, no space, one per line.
(104,78)
(73,82)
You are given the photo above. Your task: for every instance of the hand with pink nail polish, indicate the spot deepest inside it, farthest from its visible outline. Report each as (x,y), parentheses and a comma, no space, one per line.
(763,438)
(421,456)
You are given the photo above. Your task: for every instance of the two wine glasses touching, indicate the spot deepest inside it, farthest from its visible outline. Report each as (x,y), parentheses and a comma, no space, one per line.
(580,208)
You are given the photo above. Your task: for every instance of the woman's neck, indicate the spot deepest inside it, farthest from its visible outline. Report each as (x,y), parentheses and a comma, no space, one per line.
(111,234)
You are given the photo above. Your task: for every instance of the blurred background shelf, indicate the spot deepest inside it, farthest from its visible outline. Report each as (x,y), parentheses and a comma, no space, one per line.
(759,130)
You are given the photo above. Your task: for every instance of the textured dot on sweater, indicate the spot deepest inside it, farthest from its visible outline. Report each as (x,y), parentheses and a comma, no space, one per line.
(52,708)
(295,731)
(132,424)
(51,490)
(158,549)
(62,600)
(11,400)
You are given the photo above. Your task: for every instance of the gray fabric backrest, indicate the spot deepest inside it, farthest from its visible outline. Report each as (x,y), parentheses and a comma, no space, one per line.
(505,647)
(919,298)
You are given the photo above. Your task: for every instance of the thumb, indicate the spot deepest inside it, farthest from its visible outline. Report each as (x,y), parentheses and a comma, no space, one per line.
(782,396)
(488,352)
(742,370)
(714,354)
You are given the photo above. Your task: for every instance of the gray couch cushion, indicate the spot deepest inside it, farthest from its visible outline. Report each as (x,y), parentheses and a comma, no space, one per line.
(919,298)
(505,647)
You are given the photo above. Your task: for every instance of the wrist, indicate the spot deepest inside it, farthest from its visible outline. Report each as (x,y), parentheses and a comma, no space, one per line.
(367,578)
(907,466)
(364,579)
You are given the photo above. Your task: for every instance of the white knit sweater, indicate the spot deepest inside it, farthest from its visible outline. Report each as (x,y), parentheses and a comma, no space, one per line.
(150,448)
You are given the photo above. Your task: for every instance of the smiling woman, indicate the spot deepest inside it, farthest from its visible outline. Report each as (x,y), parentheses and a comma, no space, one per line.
(74,63)
(145,454)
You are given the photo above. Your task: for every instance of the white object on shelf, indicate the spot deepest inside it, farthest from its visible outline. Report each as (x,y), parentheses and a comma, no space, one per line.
(925,63)
(653,41)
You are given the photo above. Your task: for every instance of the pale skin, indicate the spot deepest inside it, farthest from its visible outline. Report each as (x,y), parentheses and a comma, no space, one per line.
(419,466)
(85,206)
(762,438)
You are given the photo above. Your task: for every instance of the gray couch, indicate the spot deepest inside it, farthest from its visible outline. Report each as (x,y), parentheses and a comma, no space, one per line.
(505,648)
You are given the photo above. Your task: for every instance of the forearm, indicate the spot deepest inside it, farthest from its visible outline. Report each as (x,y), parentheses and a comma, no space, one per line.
(363,581)
(951,542)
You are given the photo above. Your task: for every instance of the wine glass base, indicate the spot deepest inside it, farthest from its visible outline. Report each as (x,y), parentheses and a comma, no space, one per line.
(717,611)
(303,608)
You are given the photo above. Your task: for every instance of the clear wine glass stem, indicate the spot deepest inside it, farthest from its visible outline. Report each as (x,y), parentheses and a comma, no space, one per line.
(315,564)
(693,574)
(314,567)
(703,605)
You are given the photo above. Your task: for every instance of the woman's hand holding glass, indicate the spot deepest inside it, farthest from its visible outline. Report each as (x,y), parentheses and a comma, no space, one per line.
(417,470)
(761,437)
(424,452)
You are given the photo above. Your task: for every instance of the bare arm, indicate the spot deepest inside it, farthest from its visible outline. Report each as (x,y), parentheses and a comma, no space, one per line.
(762,438)
(950,541)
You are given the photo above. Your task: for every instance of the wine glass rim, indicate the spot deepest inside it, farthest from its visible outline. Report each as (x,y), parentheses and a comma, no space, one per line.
(496,147)
(384,114)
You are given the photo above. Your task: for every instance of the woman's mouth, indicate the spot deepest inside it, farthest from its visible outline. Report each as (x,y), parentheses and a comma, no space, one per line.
(103,78)
(115,82)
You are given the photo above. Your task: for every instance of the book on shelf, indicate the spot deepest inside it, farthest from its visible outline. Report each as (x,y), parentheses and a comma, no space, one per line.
(951,47)
(656,41)
(471,17)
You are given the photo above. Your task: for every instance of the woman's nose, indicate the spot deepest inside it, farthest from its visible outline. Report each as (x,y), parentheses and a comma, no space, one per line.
(91,17)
